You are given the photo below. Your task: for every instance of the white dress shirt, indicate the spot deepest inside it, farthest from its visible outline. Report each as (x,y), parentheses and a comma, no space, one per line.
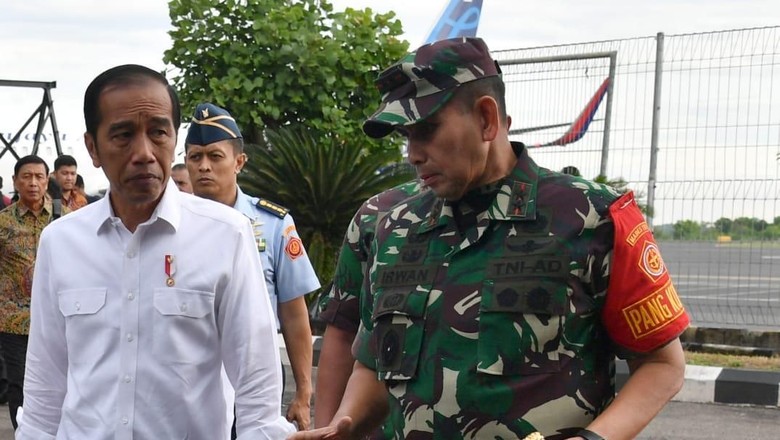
(123,346)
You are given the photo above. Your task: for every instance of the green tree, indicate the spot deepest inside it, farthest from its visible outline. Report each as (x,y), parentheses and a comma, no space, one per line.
(276,62)
(723,225)
(323,182)
(687,230)
(620,185)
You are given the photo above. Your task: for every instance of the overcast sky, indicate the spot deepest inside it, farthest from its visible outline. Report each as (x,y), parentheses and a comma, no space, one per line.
(71,41)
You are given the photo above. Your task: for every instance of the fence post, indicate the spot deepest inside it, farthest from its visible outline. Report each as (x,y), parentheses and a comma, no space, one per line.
(608,114)
(651,181)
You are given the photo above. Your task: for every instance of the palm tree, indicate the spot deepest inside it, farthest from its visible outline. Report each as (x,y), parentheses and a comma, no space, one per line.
(322,184)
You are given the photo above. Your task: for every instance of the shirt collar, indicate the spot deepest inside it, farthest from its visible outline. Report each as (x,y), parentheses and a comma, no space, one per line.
(515,201)
(22,209)
(167,210)
(241,199)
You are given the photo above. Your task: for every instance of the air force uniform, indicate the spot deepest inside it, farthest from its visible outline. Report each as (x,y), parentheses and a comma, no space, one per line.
(286,267)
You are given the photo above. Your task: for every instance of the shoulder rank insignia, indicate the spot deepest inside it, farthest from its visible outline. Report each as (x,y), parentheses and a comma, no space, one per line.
(273,208)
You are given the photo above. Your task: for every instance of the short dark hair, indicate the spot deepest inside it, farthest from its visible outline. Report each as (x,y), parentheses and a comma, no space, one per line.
(26,160)
(79,181)
(64,161)
(179,166)
(127,74)
(493,86)
(238,145)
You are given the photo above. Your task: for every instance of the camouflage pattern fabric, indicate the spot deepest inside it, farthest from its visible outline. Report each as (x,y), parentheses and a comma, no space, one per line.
(424,80)
(495,331)
(340,307)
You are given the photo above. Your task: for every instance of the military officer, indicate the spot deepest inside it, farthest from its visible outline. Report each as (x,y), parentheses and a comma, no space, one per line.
(214,157)
(497,300)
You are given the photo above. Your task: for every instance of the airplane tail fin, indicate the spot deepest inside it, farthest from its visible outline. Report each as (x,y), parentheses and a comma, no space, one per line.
(580,125)
(460,18)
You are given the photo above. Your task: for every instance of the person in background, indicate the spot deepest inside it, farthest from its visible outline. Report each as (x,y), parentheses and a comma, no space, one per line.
(65,168)
(21,224)
(140,299)
(181,177)
(214,154)
(497,300)
(4,199)
(83,192)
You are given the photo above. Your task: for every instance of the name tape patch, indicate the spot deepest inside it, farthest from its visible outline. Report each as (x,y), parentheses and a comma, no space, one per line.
(653,312)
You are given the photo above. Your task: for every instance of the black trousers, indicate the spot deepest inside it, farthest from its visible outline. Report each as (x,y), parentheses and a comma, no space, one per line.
(14,349)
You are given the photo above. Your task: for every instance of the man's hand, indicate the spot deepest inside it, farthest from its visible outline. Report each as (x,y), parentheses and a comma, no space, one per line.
(340,431)
(299,412)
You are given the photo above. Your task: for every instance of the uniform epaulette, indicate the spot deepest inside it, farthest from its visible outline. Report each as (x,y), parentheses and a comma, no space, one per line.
(273,208)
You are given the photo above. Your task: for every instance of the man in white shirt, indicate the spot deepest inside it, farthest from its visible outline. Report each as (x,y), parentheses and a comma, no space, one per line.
(140,298)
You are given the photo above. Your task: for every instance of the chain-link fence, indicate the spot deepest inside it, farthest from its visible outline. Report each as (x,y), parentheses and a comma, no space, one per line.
(691,123)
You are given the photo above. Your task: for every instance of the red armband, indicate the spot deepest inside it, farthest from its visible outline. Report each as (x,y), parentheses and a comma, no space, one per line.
(642,310)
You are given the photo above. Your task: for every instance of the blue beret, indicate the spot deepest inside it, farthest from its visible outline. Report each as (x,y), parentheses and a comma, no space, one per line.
(211,124)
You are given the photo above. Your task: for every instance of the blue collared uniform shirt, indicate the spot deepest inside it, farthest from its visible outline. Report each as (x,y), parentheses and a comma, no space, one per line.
(287,270)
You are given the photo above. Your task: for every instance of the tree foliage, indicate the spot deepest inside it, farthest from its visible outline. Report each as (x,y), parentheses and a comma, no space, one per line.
(276,62)
(620,185)
(324,183)
(739,229)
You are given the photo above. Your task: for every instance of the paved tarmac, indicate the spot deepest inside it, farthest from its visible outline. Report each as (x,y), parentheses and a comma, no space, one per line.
(678,421)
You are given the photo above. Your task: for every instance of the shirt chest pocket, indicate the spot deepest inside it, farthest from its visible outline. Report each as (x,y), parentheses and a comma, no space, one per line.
(79,302)
(521,326)
(399,323)
(85,314)
(185,325)
(184,303)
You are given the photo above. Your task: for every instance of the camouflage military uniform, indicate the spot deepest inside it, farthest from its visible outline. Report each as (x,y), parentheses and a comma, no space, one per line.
(485,322)
(341,305)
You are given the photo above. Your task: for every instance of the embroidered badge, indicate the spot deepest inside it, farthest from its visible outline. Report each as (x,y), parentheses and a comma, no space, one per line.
(651,262)
(294,248)
(258,232)
(170,269)
(653,312)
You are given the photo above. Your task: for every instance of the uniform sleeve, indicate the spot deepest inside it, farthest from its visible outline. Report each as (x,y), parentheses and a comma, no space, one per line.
(250,351)
(642,311)
(294,274)
(341,304)
(45,380)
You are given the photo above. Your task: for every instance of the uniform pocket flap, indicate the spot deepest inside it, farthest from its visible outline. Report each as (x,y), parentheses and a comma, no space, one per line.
(183,302)
(541,297)
(81,301)
(400,301)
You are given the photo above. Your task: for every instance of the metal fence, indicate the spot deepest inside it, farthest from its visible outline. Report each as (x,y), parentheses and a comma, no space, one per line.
(692,124)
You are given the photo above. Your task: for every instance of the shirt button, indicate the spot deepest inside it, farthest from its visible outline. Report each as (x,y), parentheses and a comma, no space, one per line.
(125,420)
(78,306)
(183,307)
(130,337)
(130,296)
(127,378)
(131,254)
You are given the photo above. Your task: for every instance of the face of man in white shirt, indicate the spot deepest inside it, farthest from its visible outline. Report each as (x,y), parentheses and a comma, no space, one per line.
(134,144)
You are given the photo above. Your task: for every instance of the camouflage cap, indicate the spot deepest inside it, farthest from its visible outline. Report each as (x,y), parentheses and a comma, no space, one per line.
(424,80)
(211,124)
